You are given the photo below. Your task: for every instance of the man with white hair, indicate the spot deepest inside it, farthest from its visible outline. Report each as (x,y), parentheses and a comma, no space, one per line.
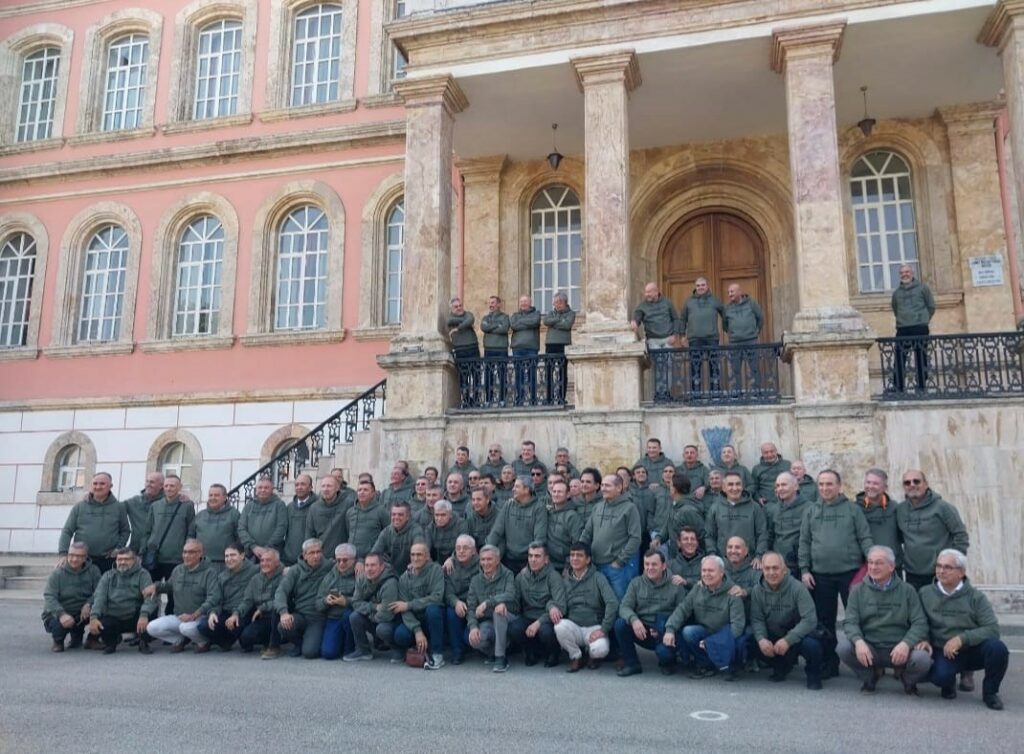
(299,619)
(884,624)
(465,564)
(487,613)
(963,630)
(334,599)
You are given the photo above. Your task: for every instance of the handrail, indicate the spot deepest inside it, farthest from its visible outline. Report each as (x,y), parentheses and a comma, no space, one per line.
(311,447)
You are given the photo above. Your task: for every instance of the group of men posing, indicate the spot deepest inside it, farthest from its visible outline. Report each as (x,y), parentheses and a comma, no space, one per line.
(741,568)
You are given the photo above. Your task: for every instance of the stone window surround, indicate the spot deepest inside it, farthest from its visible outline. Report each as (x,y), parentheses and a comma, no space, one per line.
(22,222)
(67,299)
(374,259)
(277,439)
(381,61)
(263,275)
(164,273)
(13,51)
(523,204)
(192,478)
(47,495)
(189,21)
(94,69)
(279,61)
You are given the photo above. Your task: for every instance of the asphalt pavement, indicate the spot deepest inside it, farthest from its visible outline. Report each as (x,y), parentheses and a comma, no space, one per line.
(84,702)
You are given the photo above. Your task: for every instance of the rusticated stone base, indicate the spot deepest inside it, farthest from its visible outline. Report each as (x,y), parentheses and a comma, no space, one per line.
(421,383)
(606,374)
(829,367)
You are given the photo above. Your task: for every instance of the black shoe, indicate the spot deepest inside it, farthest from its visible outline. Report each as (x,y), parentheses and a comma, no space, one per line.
(295,652)
(868,687)
(76,641)
(110,649)
(948,692)
(530,659)
(829,671)
(627,670)
(777,677)
(667,669)
(551,661)
(992,701)
(814,684)
(457,659)
(144,648)
(699,673)
(732,675)
(910,689)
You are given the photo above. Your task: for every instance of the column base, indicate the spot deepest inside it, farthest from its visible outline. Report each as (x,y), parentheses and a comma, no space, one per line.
(607,374)
(608,439)
(421,383)
(839,437)
(829,367)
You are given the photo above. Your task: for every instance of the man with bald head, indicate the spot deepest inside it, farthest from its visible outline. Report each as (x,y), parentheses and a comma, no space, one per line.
(326,519)
(195,590)
(785,514)
(698,322)
(766,472)
(742,320)
(914,306)
(172,520)
(658,317)
(138,509)
(100,521)
(808,487)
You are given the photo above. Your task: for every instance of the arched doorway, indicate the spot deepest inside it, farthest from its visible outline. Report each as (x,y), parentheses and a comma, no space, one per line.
(722,247)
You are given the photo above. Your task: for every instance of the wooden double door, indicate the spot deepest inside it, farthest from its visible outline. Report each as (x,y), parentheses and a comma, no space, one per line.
(719,246)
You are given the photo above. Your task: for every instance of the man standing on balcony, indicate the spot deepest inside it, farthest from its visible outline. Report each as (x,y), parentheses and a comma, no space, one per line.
(658,317)
(914,306)
(495,326)
(698,324)
(525,325)
(464,347)
(559,322)
(743,321)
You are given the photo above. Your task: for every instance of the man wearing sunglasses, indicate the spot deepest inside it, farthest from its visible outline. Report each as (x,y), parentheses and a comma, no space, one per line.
(928,525)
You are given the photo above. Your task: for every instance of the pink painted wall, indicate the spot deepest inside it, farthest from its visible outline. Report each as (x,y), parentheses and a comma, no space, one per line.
(55,202)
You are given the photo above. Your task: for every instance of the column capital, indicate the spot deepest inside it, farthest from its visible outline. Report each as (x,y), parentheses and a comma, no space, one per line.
(806,41)
(601,69)
(482,169)
(999,22)
(973,117)
(433,90)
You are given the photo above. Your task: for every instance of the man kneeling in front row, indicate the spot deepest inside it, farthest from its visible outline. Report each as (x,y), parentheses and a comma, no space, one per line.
(119,604)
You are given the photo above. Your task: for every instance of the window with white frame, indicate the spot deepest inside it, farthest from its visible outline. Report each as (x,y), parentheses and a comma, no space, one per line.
(398,62)
(103,283)
(394,238)
(17,272)
(38,94)
(218,69)
(197,294)
(882,199)
(316,55)
(302,270)
(124,94)
(556,245)
(175,459)
(70,471)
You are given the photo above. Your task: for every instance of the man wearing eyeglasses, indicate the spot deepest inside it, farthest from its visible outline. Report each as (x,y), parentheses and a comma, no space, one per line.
(334,598)
(928,525)
(193,585)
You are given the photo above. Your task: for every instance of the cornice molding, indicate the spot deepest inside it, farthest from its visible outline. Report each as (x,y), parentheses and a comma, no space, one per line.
(806,41)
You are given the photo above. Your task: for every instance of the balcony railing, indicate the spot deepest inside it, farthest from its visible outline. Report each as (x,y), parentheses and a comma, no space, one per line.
(931,367)
(512,382)
(320,442)
(717,375)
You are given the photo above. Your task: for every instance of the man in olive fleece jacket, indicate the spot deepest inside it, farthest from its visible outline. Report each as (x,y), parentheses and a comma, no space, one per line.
(100,521)
(884,623)
(613,533)
(193,585)
(264,521)
(963,630)
(487,607)
(232,581)
(495,326)
(298,512)
(658,317)
(564,525)
(736,516)
(914,306)
(420,607)
(395,542)
(401,486)
(643,613)
(217,525)
(653,459)
(766,472)
(694,470)
(730,462)
(334,600)
(123,602)
(366,519)
(927,524)
(326,520)
(698,323)
(525,326)
(522,520)
(880,513)
(461,333)
(834,540)
(685,566)
(712,621)
(782,617)
(298,618)
(172,520)
(255,611)
(137,508)
(464,566)
(376,591)
(481,516)
(67,598)
(559,322)
(590,611)
(540,601)
(785,516)
(443,531)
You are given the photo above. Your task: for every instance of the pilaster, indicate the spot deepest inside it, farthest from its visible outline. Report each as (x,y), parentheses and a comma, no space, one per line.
(481,179)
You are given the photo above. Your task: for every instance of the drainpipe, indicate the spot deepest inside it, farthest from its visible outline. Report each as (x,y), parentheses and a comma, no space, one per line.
(1002,129)
(462,237)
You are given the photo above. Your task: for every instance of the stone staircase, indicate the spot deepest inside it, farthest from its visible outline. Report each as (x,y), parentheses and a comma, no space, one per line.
(23,577)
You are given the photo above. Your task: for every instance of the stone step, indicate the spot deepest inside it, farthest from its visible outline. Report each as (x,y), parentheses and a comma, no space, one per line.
(21,595)
(25,583)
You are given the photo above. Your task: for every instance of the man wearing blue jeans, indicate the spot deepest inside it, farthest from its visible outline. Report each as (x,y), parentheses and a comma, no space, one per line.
(613,533)
(459,571)
(648,602)
(334,599)
(525,326)
(421,600)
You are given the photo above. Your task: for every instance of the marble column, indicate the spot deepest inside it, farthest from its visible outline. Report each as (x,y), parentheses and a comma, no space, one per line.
(421,380)
(606,358)
(481,180)
(979,218)
(829,339)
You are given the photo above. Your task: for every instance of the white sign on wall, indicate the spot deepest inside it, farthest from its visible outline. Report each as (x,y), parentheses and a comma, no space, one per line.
(987,270)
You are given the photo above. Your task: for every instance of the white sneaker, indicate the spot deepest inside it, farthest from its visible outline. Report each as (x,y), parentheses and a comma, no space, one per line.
(434,662)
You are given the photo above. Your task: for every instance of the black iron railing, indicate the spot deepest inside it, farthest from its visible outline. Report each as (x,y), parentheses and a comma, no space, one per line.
(512,382)
(712,375)
(976,365)
(321,441)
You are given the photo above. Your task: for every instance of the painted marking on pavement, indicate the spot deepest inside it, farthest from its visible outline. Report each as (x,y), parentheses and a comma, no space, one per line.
(709,716)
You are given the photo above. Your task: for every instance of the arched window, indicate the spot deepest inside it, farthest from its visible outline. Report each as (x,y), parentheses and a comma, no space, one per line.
(38,96)
(197,298)
(302,270)
(881,195)
(398,61)
(316,55)
(556,243)
(17,271)
(69,473)
(125,93)
(218,69)
(103,286)
(395,240)
(175,459)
